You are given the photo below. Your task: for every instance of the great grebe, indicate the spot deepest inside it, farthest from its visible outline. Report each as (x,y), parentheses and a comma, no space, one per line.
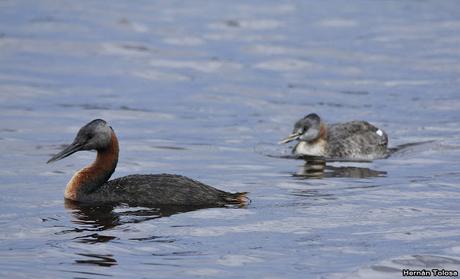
(355,140)
(91,185)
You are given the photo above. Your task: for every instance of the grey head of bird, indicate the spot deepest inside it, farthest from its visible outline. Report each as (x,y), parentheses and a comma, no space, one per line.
(96,135)
(306,129)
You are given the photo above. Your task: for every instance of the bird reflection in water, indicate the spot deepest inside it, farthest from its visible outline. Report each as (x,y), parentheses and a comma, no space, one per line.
(102,217)
(92,220)
(316,167)
(96,259)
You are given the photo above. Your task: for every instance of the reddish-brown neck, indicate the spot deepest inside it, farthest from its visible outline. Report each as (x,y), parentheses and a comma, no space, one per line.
(106,159)
(322,131)
(93,176)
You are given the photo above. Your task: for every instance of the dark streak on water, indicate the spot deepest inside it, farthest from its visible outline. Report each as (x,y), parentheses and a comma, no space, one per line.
(195,87)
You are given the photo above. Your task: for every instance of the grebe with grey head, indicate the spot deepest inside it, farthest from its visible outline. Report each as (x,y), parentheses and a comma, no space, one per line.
(355,140)
(91,185)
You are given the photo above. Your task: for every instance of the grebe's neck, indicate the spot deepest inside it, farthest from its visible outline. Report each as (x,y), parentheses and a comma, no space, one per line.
(316,147)
(90,178)
(322,131)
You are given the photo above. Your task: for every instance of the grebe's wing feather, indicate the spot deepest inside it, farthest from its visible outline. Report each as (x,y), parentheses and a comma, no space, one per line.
(164,189)
(357,140)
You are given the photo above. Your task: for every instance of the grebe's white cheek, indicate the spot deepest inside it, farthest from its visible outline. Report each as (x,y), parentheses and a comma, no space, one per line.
(311,134)
(379,132)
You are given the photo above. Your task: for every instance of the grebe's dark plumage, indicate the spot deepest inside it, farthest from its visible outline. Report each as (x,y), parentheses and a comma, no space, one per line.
(355,140)
(91,185)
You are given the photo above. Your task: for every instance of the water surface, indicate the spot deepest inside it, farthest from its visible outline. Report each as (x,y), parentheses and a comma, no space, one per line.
(193,88)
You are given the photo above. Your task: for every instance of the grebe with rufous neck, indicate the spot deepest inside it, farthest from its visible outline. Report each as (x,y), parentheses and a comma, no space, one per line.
(355,140)
(91,184)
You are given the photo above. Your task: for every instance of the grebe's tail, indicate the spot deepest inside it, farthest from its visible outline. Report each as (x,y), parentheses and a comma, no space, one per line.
(237,198)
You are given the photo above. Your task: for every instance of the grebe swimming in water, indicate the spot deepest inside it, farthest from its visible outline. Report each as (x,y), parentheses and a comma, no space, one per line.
(91,185)
(355,140)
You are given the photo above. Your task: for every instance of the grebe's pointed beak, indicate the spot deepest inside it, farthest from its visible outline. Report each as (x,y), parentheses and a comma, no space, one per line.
(69,150)
(290,138)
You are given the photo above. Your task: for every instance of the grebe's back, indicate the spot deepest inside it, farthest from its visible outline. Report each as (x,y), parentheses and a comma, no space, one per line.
(162,189)
(356,140)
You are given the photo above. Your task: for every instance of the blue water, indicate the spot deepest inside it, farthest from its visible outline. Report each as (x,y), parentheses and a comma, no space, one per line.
(194,87)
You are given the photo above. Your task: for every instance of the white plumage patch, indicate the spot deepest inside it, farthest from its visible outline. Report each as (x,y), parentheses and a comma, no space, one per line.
(379,132)
(304,148)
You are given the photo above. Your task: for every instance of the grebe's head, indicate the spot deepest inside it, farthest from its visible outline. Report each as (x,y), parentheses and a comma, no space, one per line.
(96,135)
(306,129)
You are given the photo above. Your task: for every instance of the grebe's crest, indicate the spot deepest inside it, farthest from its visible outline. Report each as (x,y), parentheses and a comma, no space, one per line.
(95,135)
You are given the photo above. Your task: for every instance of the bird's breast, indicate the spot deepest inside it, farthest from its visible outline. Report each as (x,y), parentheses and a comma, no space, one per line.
(318,148)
